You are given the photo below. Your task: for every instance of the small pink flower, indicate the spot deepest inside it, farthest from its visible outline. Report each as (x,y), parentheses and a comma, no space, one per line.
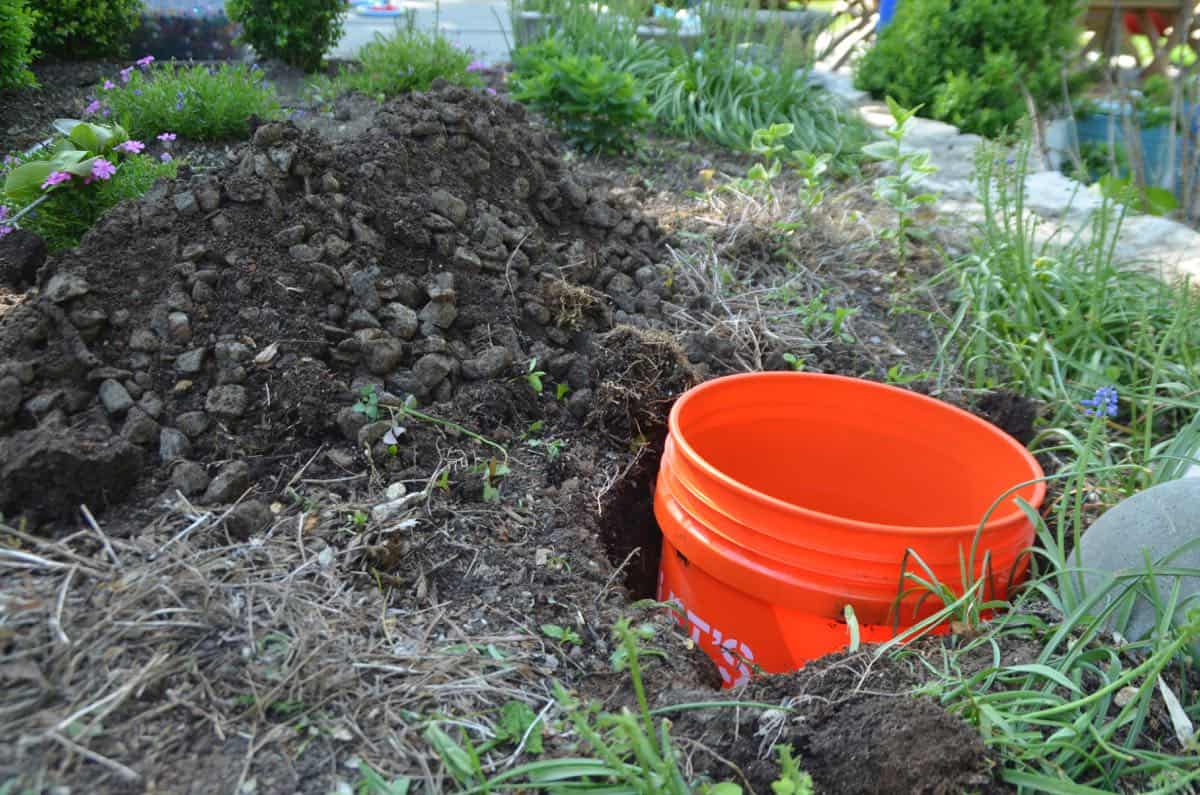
(110,85)
(56,178)
(166,157)
(4,228)
(102,169)
(145,61)
(476,66)
(93,107)
(166,137)
(130,147)
(125,74)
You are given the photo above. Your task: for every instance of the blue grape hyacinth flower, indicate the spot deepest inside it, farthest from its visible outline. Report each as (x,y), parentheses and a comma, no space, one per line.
(1102,404)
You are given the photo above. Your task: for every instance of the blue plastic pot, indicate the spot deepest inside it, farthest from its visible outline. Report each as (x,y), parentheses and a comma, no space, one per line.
(887,9)
(1154,143)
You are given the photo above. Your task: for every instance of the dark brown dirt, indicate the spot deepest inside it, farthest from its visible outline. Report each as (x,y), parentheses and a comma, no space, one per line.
(26,115)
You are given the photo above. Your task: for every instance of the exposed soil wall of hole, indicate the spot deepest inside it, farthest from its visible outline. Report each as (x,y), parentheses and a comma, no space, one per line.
(630,532)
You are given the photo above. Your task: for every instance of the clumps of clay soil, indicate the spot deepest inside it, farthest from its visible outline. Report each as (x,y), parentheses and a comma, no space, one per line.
(227,321)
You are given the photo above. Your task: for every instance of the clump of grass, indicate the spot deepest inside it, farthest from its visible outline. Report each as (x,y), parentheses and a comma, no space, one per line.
(408,60)
(200,103)
(720,93)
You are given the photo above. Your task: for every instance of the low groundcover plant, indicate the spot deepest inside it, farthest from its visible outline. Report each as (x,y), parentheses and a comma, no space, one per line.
(201,103)
(60,192)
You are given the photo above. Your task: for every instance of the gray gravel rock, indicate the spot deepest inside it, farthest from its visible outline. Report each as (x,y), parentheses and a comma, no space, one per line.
(432,369)
(399,320)
(229,484)
(191,362)
(226,402)
(193,423)
(173,444)
(350,421)
(488,364)
(382,355)
(248,518)
(139,428)
(190,478)
(115,398)
(1156,522)
(449,206)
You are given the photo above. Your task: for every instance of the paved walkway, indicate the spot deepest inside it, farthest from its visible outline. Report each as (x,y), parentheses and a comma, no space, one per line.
(1062,203)
(479,25)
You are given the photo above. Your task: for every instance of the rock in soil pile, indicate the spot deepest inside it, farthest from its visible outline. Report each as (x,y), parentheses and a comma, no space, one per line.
(222,322)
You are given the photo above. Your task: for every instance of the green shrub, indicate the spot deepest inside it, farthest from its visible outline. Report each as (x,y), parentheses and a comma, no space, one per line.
(297,32)
(409,60)
(201,103)
(16,34)
(85,28)
(596,108)
(966,60)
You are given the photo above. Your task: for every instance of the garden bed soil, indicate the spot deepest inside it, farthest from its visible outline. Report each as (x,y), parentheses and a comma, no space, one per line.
(270,584)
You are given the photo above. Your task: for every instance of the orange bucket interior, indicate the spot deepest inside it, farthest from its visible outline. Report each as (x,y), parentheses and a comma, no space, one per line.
(784,497)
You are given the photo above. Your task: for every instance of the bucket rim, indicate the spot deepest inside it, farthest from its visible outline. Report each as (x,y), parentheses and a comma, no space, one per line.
(1000,518)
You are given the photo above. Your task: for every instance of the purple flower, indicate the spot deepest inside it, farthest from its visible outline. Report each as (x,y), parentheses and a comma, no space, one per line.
(476,66)
(491,91)
(56,178)
(93,107)
(145,61)
(130,147)
(166,157)
(137,92)
(178,100)
(4,228)
(102,169)
(126,73)
(1103,403)
(106,113)
(166,137)
(109,85)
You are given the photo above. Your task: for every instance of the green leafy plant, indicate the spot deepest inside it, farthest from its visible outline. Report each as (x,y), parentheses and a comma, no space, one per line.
(201,103)
(16,45)
(597,108)
(367,403)
(899,187)
(794,361)
(561,390)
(61,191)
(971,62)
(408,60)
(370,782)
(85,28)
(533,376)
(297,32)
(492,472)
(564,635)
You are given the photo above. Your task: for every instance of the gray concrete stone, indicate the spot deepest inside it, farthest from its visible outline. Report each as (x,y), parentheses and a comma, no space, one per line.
(1155,523)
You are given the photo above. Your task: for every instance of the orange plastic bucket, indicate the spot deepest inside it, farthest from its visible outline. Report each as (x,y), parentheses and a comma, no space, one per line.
(784,497)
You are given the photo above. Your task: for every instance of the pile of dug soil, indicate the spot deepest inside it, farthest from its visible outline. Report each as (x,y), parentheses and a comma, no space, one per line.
(225,320)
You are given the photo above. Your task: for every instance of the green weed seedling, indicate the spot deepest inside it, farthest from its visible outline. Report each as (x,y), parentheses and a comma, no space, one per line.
(371,782)
(561,391)
(492,472)
(898,188)
(794,361)
(533,376)
(551,447)
(564,635)
(368,402)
